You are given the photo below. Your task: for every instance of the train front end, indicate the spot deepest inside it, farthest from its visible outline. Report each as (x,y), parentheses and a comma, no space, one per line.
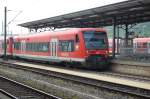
(96,49)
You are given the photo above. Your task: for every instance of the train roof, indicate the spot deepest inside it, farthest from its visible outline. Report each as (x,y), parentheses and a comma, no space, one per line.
(2,37)
(60,32)
(147,39)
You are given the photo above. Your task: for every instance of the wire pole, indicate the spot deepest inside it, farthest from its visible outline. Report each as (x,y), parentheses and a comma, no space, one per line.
(5,32)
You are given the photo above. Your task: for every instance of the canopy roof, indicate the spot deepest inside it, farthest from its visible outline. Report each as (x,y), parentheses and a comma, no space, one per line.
(127,12)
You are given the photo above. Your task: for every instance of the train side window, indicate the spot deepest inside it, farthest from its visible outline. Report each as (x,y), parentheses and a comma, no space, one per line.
(63,46)
(35,46)
(138,45)
(149,44)
(66,46)
(144,45)
(77,38)
(45,47)
(17,45)
(71,46)
(29,47)
(29,44)
(40,47)
(26,46)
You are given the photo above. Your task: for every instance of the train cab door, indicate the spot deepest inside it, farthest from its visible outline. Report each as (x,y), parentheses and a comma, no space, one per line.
(53,48)
(23,47)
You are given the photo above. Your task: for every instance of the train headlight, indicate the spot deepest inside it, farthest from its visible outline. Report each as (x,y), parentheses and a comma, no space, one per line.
(77,47)
(87,51)
(107,52)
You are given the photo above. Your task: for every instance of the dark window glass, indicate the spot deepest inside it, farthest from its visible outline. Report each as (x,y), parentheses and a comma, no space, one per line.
(149,45)
(45,47)
(66,46)
(37,47)
(95,40)
(17,45)
(139,45)
(144,45)
(77,38)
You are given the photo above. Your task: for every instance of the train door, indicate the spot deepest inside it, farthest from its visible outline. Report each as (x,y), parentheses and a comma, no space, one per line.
(53,48)
(23,47)
(11,46)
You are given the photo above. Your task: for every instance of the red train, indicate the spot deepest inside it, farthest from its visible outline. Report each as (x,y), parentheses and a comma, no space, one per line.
(86,46)
(140,45)
(110,41)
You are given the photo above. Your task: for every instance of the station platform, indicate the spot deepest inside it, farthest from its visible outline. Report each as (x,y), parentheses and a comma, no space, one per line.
(131,67)
(86,74)
(130,62)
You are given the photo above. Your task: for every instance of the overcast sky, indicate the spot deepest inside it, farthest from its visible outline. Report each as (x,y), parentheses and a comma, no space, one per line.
(30,10)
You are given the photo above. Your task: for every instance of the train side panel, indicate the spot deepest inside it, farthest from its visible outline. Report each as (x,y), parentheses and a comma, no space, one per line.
(9,48)
(54,49)
(85,45)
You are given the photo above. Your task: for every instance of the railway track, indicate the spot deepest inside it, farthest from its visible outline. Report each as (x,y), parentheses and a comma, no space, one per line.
(132,90)
(6,95)
(120,75)
(108,73)
(16,90)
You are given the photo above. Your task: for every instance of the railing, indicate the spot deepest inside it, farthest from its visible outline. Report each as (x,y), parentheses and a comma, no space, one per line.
(135,52)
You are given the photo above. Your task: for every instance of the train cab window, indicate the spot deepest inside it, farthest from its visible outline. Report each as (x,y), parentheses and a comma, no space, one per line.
(77,38)
(66,46)
(95,40)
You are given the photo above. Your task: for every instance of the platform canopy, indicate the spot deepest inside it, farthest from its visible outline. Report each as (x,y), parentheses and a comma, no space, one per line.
(127,12)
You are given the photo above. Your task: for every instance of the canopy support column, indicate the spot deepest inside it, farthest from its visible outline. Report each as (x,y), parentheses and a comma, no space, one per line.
(126,35)
(114,36)
(118,39)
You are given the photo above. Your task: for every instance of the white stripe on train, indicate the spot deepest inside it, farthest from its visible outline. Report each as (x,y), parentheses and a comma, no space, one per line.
(49,58)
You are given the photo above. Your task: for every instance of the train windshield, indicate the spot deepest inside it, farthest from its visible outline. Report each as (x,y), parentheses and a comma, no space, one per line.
(95,40)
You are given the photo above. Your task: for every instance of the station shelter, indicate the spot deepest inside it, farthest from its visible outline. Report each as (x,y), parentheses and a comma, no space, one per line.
(125,15)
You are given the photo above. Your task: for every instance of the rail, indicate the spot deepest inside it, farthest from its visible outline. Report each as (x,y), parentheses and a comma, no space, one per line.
(8,94)
(17,90)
